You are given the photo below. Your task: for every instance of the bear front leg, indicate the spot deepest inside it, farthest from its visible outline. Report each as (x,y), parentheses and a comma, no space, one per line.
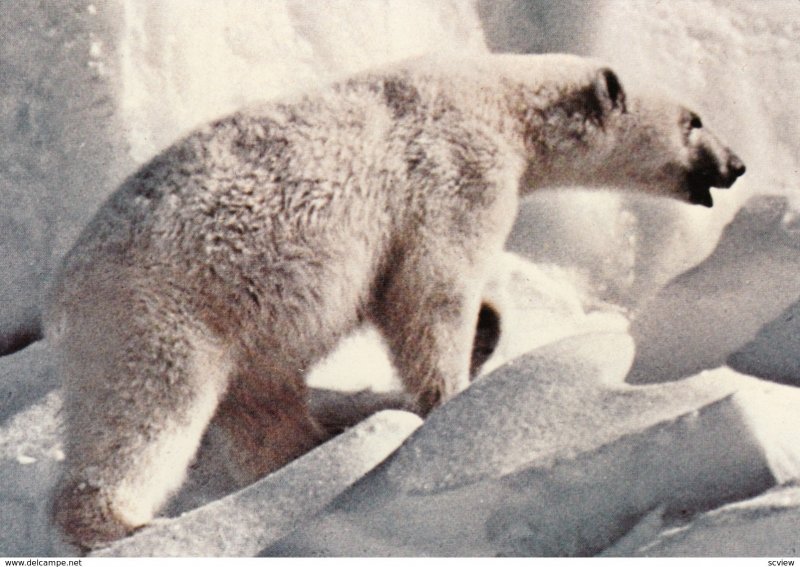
(427,312)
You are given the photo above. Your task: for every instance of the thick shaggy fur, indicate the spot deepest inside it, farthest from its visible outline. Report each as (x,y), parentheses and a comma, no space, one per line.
(219,273)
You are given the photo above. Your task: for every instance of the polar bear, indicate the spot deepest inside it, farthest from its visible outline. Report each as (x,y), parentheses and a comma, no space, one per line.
(216,275)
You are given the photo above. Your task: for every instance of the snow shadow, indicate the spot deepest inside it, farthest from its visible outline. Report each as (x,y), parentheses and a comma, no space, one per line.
(537,26)
(739,306)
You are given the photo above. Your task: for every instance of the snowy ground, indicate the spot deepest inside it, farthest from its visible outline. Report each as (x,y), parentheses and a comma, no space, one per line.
(643,399)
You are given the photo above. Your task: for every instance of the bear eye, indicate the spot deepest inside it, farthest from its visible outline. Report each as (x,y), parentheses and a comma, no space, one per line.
(695,122)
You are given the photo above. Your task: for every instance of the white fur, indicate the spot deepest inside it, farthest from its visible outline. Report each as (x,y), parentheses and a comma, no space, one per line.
(161,465)
(276,231)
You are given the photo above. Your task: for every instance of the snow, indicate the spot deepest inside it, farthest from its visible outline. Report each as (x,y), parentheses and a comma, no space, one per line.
(749,281)
(547,489)
(765,526)
(179,71)
(642,399)
(30,461)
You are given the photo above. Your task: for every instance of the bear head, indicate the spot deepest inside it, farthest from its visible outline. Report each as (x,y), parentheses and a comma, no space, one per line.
(590,132)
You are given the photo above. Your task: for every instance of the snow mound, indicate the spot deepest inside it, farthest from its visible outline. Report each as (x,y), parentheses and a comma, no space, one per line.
(773,353)
(554,455)
(540,304)
(765,526)
(30,462)
(524,404)
(714,310)
(25,376)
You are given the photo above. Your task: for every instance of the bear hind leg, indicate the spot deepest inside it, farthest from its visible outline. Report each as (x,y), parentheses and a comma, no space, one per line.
(138,397)
(264,418)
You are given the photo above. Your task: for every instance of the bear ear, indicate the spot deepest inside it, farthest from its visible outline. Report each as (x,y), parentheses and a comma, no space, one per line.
(609,90)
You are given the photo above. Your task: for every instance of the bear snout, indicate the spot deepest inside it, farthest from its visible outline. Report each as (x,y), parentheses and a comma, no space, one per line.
(717,167)
(732,170)
(736,166)
(720,172)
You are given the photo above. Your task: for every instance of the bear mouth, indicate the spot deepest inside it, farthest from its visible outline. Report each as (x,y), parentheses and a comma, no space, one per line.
(699,187)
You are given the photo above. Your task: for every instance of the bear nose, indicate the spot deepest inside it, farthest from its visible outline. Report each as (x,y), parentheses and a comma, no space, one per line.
(736,166)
